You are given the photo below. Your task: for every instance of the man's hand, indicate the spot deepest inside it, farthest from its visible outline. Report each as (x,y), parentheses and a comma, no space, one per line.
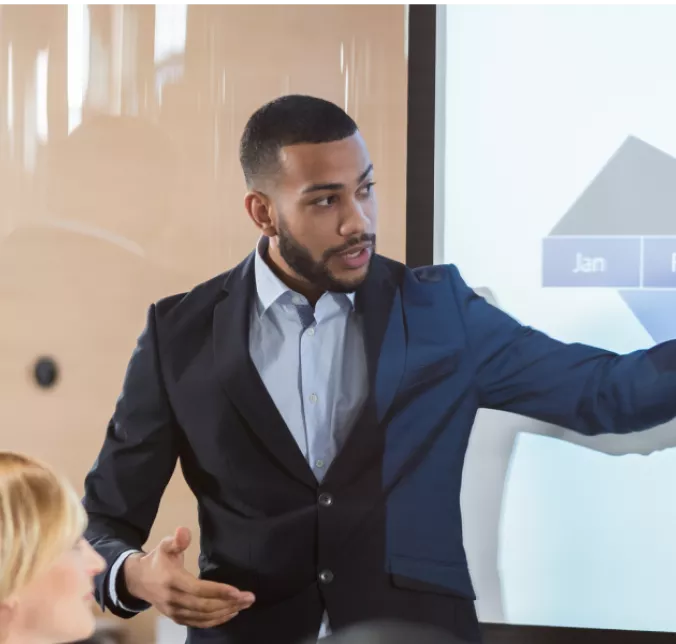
(161,579)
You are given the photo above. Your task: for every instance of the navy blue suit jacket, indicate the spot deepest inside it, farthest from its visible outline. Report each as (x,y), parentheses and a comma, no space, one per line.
(392,536)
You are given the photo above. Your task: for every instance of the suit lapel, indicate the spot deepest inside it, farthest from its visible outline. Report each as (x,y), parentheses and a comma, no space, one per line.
(240,378)
(379,302)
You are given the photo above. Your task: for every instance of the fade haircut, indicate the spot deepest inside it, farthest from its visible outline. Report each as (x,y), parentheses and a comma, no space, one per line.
(289,120)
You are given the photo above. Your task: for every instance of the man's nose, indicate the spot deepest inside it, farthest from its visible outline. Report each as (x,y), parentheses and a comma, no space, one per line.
(356,221)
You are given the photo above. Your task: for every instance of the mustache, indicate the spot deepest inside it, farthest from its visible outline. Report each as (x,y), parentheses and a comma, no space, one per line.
(366,238)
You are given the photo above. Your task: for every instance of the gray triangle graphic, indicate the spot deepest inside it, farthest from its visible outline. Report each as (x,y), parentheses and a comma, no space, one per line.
(633,194)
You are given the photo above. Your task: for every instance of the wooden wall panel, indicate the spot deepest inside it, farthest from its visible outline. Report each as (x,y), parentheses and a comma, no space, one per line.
(119,183)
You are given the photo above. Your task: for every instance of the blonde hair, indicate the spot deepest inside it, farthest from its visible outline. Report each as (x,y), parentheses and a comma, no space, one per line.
(40,517)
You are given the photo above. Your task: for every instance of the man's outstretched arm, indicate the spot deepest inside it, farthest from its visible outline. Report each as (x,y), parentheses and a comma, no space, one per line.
(586,389)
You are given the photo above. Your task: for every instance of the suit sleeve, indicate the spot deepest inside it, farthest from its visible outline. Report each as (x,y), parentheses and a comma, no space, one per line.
(124,488)
(521,370)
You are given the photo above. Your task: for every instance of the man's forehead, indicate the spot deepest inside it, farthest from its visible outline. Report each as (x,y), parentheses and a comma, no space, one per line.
(343,160)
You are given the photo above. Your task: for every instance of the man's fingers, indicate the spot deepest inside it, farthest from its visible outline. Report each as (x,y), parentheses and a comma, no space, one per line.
(209,589)
(184,601)
(177,544)
(199,620)
(182,538)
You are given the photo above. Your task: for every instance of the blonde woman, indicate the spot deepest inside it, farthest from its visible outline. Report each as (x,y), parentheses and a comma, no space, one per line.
(46,567)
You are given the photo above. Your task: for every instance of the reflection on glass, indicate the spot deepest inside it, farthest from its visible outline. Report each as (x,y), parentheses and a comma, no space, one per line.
(78,61)
(170,30)
(10,88)
(189,75)
(41,70)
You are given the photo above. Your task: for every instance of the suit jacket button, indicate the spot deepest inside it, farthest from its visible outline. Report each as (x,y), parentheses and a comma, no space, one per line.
(325,499)
(325,576)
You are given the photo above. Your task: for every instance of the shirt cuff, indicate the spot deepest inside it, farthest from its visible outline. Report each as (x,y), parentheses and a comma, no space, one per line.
(112,581)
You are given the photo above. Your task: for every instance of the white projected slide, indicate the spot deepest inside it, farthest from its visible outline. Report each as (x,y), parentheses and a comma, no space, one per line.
(559,195)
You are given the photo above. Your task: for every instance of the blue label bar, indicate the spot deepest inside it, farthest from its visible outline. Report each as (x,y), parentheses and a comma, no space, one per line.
(613,262)
(659,262)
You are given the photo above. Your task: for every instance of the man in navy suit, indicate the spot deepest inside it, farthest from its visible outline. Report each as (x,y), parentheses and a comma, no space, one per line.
(320,399)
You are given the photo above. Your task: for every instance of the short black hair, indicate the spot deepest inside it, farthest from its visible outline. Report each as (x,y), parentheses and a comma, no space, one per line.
(289,120)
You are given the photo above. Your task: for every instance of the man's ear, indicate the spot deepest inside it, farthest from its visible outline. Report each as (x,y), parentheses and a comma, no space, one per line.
(259,208)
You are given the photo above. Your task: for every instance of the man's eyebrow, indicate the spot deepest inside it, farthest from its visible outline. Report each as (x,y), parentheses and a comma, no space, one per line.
(316,187)
(365,174)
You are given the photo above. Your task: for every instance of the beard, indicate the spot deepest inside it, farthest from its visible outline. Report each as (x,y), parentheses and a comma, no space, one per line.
(299,258)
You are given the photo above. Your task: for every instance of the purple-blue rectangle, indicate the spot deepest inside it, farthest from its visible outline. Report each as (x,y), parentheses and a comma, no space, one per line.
(659,262)
(613,262)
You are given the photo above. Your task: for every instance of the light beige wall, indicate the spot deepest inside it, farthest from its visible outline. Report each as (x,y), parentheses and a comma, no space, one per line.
(144,198)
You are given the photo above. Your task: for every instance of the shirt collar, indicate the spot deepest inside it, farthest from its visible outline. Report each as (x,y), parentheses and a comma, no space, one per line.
(269,287)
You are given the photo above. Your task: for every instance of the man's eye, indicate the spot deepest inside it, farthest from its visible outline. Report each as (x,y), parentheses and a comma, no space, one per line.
(326,201)
(367,189)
